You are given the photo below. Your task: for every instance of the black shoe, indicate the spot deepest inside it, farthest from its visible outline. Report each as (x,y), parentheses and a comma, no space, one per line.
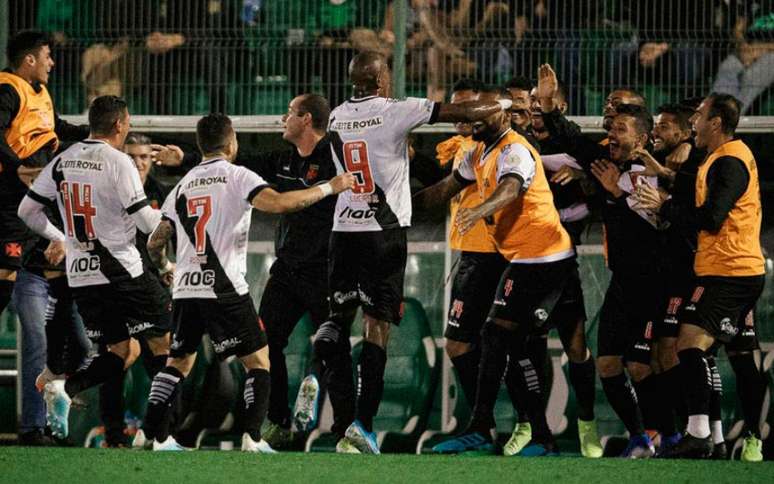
(719,452)
(36,438)
(690,447)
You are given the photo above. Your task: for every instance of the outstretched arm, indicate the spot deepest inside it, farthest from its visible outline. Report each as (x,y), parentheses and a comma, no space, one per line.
(471,111)
(507,191)
(437,195)
(271,201)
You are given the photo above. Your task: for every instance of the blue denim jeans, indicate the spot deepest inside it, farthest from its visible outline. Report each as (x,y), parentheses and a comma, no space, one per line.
(30,298)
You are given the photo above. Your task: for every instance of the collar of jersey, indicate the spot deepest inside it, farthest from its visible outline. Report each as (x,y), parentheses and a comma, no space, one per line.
(361,99)
(494,145)
(210,161)
(93,141)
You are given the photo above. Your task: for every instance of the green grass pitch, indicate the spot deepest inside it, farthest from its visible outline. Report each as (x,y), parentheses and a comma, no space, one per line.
(35,465)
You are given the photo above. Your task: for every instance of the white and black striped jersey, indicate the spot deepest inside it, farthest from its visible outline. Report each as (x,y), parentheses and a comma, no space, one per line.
(210,208)
(368,139)
(96,188)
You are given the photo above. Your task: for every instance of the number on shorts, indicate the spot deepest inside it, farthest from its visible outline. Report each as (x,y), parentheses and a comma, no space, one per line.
(200,207)
(356,159)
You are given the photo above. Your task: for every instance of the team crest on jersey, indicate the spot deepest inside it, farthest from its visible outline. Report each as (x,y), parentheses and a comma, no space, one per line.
(456,311)
(13,249)
(311,173)
(508,287)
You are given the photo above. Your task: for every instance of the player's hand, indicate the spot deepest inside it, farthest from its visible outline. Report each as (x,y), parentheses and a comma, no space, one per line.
(650,198)
(27,174)
(678,156)
(55,252)
(547,87)
(166,155)
(343,182)
(566,174)
(466,219)
(651,51)
(652,167)
(168,277)
(607,174)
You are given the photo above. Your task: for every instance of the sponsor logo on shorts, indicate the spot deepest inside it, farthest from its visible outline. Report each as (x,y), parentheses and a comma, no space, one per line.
(674,305)
(697,294)
(748,332)
(139,327)
(342,297)
(364,298)
(508,287)
(671,320)
(13,249)
(453,323)
(728,328)
(456,310)
(500,302)
(649,330)
(176,344)
(225,345)
(642,346)
(93,334)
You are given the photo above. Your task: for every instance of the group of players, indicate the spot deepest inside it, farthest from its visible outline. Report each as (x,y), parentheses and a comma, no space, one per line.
(696,196)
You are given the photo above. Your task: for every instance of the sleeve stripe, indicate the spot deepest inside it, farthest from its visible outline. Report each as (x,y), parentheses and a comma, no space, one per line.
(516,176)
(39,198)
(434,114)
(137,206)
(255,191)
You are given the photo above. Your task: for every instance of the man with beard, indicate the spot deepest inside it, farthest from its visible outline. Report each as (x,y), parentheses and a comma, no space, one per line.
(540,286)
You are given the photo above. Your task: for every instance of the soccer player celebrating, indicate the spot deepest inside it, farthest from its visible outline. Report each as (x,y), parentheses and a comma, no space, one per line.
(538,288)
(368,244)
(209,210)
(101,200)
(729,269)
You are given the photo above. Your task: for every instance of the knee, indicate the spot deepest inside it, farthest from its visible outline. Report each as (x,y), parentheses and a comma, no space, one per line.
(159,345)
(577,353)
(609,366)
(638,371)
(667,354)
(128,350)
(258,361)
(457,348)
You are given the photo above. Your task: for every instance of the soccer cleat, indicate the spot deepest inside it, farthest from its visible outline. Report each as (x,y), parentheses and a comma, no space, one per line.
(260,447)
(720,452)
(668,443)
(141,442)
(538,449)
(639,447)
(752,449)
(169,445)
(473,441)
(277,437)
(689,447)
(520,437)
(363,440)
(345,446)
(306,409)
(590,446)
(57,408)
(46,376)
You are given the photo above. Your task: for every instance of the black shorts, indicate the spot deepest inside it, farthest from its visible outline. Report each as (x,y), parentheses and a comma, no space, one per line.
(289,294)
(540,295)
(233,326)
(627,316)
(116,311)
(367,269)
(721,305)
(475,283)
(12,252)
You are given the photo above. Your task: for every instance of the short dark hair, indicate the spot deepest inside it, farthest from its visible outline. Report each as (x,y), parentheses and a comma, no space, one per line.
(104,112)
(213,132)
(692,102)
(318,107)
(643,120)
(467,84)
(137,139)
(520,82)
(727,108)
(23,43)
(681,112)
(561,89)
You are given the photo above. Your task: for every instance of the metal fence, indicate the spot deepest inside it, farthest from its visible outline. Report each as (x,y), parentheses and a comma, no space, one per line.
(177,57)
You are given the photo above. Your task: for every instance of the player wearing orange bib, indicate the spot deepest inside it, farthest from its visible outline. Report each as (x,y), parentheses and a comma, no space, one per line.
(539,287)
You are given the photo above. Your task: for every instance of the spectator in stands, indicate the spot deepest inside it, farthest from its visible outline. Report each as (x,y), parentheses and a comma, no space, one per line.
(520,87)
(749,71)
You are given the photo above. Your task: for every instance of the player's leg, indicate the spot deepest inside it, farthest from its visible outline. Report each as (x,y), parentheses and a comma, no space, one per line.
(525,401)
(256,399)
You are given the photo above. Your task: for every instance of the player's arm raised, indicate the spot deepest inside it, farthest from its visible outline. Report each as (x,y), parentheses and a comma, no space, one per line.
(272,201)
(471,111)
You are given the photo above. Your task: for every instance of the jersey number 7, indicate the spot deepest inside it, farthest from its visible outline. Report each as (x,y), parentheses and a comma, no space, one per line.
(76,199)
(356,160)
(200,207)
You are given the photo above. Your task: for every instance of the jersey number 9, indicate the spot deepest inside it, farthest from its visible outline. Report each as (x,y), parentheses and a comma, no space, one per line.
(356,160)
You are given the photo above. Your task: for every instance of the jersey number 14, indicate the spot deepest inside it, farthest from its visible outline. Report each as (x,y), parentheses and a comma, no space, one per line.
(76,199)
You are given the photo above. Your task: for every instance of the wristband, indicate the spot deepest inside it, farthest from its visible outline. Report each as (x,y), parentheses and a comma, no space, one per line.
(505,104)
(326,188)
